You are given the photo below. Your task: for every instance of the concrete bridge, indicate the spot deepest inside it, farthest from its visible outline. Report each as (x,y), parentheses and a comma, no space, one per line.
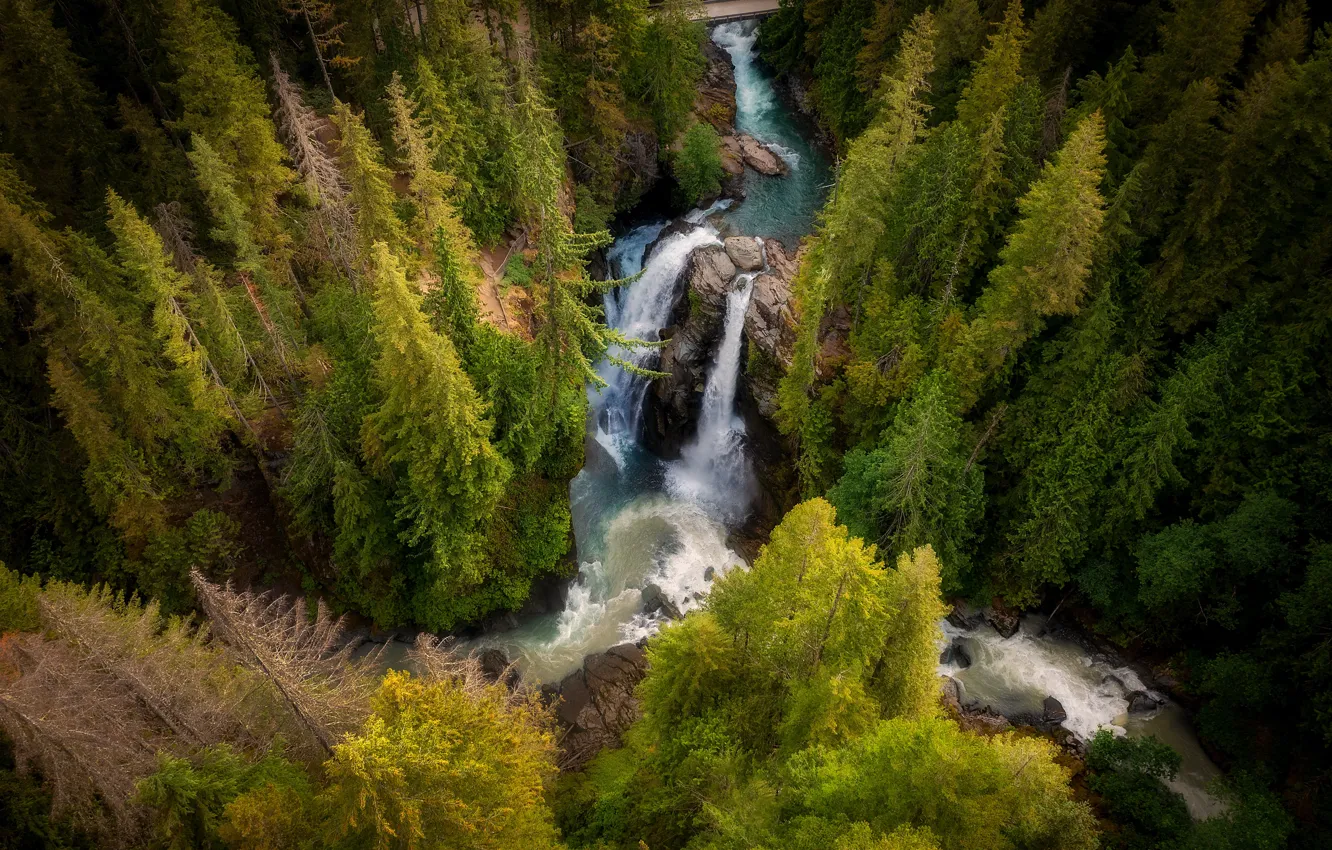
(720,11)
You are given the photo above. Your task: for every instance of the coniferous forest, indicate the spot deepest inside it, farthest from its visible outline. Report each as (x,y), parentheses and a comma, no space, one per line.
(307,306)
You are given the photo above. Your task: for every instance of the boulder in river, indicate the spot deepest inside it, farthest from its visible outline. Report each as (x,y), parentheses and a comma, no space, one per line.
(745,252)
(655,601)
(1141,702)
(709,573)
(955,653)
(753,153)
(1006,621)
(597,703)
(1052,711)
(983,720)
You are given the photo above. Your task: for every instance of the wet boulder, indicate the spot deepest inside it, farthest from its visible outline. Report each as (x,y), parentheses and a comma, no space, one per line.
(955,653)
(1052,711)
(655,601)
(745,252)
(1005,620)
(1141,702)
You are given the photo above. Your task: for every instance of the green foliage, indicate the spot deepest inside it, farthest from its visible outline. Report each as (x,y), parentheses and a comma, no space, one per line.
(188,796)
(208,541)
(223,103)
(668,65)
(920,485)
(18,602)
(430,433)
(697,167)
(447,765)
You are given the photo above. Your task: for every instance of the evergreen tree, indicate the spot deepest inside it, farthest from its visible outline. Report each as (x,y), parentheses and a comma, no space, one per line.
(370,190)
(669,65)
(997,73)
(223,102)
(918,486)
(50,115)
(430,430)
(1044,266)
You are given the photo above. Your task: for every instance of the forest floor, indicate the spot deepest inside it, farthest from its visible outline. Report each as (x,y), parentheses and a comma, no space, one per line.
(505,306)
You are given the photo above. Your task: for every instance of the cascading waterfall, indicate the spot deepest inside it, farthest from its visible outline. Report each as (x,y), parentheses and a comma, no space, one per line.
(632,527)
(639,520)
(714,469)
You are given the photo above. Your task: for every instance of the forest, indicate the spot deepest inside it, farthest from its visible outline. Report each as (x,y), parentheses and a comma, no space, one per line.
(302,306)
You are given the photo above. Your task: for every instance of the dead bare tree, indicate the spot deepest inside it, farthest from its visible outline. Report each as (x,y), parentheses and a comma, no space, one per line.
(300,125)
(83,732)
(322,682)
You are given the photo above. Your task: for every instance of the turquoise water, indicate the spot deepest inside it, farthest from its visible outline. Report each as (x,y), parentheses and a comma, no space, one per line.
(781,208)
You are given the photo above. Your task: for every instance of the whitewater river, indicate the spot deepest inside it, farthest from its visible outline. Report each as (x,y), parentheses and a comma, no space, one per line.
(640,520)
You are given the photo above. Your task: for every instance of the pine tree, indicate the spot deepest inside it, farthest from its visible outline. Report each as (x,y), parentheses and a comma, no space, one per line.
(997,73)
(919,486)
(432,432)
(223,99)
(1201,39)
(669,65)
(446,764)
(370,184)
(1045,264)
(813,599)
(273,306)
(50,115)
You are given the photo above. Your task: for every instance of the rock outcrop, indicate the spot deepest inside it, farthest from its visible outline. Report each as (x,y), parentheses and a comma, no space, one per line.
(984,721)
(685,357)
(596,703)
(745,252)
(770,327)
(747,150)
(715,101)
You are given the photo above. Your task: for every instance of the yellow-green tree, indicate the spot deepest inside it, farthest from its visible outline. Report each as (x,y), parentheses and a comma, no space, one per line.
(1044,266)
(222,94)
(445,764)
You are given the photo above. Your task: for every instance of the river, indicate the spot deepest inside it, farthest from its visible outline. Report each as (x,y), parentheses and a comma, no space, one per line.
(640,520)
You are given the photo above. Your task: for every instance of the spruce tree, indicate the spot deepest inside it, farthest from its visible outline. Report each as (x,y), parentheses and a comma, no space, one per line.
(370,184)
(1044,266)
(997,73)
(431,433)
(140,252)
(222,95)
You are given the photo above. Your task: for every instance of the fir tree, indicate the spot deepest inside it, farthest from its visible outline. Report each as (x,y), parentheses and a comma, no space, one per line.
(223,99)
(370,191)
(431,431)
(1044,266)
(997,74)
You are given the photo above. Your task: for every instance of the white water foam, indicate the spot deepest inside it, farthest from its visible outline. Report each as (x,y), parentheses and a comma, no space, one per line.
(1015,675)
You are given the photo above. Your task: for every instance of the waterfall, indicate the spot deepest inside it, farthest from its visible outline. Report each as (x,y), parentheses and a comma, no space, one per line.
(714,469)
(629,532)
